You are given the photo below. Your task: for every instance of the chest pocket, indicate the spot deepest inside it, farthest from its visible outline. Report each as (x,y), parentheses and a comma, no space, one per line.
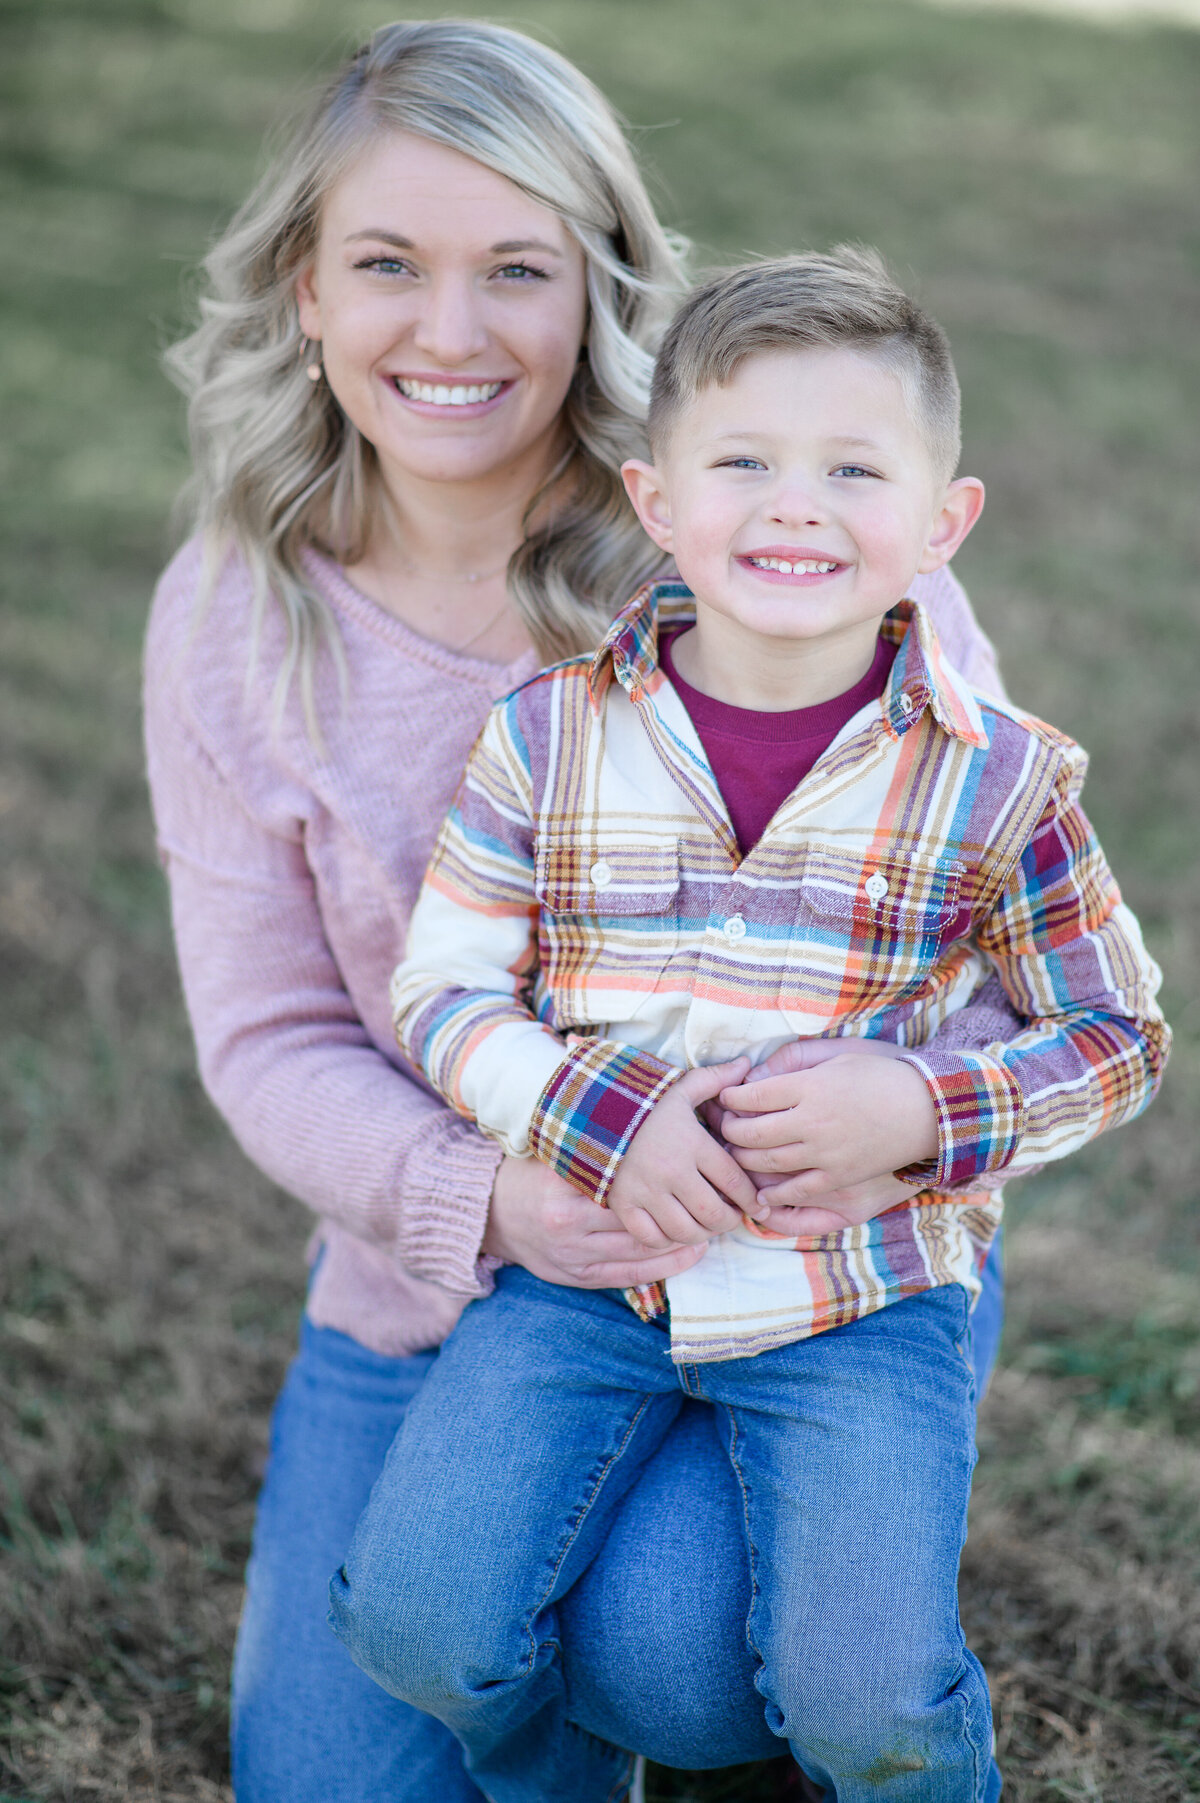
(870,930)
(609,925)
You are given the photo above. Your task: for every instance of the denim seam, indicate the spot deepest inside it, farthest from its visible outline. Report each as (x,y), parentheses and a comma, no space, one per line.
(573,1535)
(752,1557)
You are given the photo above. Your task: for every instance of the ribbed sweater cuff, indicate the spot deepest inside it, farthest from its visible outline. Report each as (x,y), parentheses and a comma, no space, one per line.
(448,1179)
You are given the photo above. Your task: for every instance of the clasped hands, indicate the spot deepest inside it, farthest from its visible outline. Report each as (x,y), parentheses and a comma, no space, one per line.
(804,1145)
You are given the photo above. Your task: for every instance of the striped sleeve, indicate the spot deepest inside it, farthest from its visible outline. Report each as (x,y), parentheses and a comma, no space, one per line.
(461,996)
(461,999)
(1071,959)
(592,1107)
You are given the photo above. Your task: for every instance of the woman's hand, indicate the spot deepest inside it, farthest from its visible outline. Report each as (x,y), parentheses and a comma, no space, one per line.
(537,1220)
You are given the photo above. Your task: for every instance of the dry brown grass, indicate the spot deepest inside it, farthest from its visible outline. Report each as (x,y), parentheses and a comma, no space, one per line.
(1041,180)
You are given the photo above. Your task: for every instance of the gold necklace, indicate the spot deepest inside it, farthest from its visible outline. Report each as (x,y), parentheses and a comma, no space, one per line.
(484,629)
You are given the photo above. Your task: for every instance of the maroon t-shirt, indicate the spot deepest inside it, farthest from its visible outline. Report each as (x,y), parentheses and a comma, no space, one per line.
(758,759)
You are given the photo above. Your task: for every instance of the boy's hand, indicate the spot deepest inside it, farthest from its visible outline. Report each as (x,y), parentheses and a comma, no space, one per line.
(838,1209)
(676,1183)
(832,1124)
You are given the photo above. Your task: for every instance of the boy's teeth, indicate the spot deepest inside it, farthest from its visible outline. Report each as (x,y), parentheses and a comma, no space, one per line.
(439,394)
(807,567)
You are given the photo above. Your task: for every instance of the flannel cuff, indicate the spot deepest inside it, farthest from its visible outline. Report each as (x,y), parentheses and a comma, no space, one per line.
(591,1108)
(981,1117)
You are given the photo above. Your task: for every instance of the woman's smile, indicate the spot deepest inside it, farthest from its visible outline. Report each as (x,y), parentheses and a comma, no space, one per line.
(442,392)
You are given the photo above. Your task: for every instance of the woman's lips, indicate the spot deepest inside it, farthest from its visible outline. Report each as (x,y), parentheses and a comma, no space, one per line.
(450,399)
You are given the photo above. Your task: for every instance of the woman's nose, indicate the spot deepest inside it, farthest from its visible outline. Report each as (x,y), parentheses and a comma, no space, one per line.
(450,327)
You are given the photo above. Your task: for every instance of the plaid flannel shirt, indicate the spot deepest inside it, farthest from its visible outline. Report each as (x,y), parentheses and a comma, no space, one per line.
(588,930)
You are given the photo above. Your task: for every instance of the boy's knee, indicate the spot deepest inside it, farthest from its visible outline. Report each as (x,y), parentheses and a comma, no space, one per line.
(429,1650)
(917,1732)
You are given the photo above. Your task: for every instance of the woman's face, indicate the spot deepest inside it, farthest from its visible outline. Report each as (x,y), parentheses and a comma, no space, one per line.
(450,309)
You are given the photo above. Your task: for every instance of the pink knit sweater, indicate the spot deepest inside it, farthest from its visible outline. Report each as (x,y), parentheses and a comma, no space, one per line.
(292,875)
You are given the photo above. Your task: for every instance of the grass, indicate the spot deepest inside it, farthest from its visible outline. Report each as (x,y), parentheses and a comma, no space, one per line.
(1037,178)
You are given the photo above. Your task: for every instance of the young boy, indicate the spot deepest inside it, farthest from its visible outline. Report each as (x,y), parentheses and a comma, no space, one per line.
(765,811)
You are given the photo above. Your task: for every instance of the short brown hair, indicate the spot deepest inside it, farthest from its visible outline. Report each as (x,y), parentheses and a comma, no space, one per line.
(847,298)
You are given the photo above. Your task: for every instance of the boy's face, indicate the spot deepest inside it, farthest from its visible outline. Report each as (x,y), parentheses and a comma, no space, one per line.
(810,459)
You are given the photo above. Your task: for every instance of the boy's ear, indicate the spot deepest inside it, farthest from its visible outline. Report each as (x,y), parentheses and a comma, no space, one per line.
(644,486)
(961,506)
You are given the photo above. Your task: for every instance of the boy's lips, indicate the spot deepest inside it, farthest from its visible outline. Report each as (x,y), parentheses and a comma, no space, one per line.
(440,397)
(790,563)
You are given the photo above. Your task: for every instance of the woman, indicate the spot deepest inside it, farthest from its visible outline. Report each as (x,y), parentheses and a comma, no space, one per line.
(425,355)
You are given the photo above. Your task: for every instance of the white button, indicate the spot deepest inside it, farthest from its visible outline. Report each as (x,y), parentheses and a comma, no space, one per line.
(906,702)
(734,928)
(601,874)
(876,887)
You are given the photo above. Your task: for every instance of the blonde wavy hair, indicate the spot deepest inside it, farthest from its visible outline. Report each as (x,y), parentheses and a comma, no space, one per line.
(279,468)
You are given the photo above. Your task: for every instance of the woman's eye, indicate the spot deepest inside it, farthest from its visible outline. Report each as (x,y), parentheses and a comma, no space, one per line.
(385,265)
(518,272)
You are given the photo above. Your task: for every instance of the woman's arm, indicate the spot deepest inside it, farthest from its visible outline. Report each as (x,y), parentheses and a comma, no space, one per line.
(287,1060)
(281,1049)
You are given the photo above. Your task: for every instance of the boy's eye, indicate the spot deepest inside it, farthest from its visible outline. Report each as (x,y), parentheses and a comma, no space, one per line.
(851,469)
(742,463)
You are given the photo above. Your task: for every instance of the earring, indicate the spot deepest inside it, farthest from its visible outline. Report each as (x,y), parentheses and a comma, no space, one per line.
(312,370)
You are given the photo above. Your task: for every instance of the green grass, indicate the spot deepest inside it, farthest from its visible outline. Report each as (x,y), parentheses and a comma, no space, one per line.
(1037,180)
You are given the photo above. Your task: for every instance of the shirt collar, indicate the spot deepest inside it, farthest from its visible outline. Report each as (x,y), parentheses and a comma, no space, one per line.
(920,677)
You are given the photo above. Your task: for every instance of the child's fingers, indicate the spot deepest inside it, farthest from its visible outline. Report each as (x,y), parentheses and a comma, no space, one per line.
(801,1187)
(778,1161)
(803,1054)
(767,1095)
(728,1179)
(708,1080)
(707,1205)
(759,1130)
(645,1229)
(681,1220)
(806,1222)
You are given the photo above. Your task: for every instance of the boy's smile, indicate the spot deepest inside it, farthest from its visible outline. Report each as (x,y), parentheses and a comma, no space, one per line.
(798,500)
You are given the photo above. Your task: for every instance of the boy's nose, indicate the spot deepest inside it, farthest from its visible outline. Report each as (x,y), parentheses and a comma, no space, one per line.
(797,504)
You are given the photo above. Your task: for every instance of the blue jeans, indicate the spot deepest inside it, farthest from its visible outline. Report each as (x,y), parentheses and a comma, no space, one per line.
(852,1453)
(676,1682)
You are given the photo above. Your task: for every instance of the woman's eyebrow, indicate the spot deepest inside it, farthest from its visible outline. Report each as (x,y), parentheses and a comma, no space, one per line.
(508,247)
(382,237)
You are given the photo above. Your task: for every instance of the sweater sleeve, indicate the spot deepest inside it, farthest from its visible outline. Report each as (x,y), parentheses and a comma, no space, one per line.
(959,633)
(282,1051)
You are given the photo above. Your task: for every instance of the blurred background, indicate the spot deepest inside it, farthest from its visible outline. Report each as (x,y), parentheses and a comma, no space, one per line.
(1035,177)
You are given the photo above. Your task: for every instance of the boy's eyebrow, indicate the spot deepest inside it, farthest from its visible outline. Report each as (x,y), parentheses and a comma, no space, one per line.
(506,248)
(861,444)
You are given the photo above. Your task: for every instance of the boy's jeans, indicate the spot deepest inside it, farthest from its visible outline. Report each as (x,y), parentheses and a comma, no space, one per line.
(853,1452)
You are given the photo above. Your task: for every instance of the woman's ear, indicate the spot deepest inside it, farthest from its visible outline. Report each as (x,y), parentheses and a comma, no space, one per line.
(644,486)
(961,506)
(307,304)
